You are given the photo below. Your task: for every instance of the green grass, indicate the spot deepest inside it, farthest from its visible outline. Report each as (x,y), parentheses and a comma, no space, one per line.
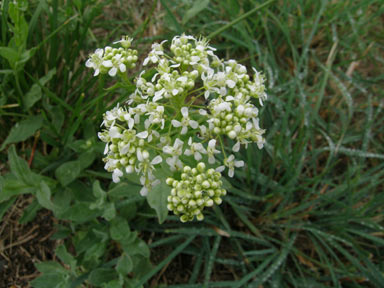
(308,209)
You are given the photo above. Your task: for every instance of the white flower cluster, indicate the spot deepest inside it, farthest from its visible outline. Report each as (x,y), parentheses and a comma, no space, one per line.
(185,112)
(112,60)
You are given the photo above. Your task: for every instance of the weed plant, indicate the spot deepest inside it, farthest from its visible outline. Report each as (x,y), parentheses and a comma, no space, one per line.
(306,211)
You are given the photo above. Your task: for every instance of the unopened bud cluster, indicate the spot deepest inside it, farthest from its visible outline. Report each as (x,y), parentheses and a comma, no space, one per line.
(188,110)
(198,188)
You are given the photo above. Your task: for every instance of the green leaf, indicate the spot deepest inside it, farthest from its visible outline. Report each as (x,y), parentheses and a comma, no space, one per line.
(197,7)
(10,54)
(68,172)
(157,199)
(126,190)
(136,247)
(19,167)
(66,257)
(109,211)
(43,195)
(119,229)
(79,212)
(34,94)
(124,264)
(102,275)
(54,275)
(86,159)
(30,212)
(5,206)
(12,187)
(23,130)
(100,195)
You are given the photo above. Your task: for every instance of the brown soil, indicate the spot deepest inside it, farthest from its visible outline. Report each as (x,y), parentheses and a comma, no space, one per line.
(23,245)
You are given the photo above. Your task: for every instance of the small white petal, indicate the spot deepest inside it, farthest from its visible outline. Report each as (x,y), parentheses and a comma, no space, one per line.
(107,63)
(220,169)
(144,191)
(175,92)
(142,135)
(112,72)
(176,123)
(198,156)
(89,63)
(106,149)
(230,83)
(184,112)
(231,172)
(236,147)
(122,67)
(194,124)
(184,130)
(167,149)
(203,112)
(239,163)
(156,160)
(117,173)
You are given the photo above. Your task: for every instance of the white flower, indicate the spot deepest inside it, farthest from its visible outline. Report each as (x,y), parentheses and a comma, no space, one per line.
(231,163)
(117,173)
(185,121)
(95,61)
(125,42)
(148,182)
(155,55)
(196,149)
(211,151)
(175,151)
(114,132)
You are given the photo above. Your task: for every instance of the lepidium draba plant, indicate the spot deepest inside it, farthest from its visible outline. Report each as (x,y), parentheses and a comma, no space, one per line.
(174,128)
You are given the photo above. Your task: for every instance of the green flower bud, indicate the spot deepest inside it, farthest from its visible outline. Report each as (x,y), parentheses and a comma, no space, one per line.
(169,181)
(206,184)
(199,178)
(211,192)
(217,200)
(200,217)
(201,167)
(184,218)
(232,134)
(209,203)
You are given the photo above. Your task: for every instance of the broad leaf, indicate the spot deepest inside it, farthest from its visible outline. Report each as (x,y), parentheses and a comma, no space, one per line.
(68,172)
(124,264)
(157,199)
(101,275)
(34,94)
(43,195)
(23,130)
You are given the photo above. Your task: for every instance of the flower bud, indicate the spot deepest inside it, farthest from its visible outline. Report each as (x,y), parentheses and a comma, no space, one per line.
(201,167)
(209,203)
(232,134)
(169,181)
(206,184)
